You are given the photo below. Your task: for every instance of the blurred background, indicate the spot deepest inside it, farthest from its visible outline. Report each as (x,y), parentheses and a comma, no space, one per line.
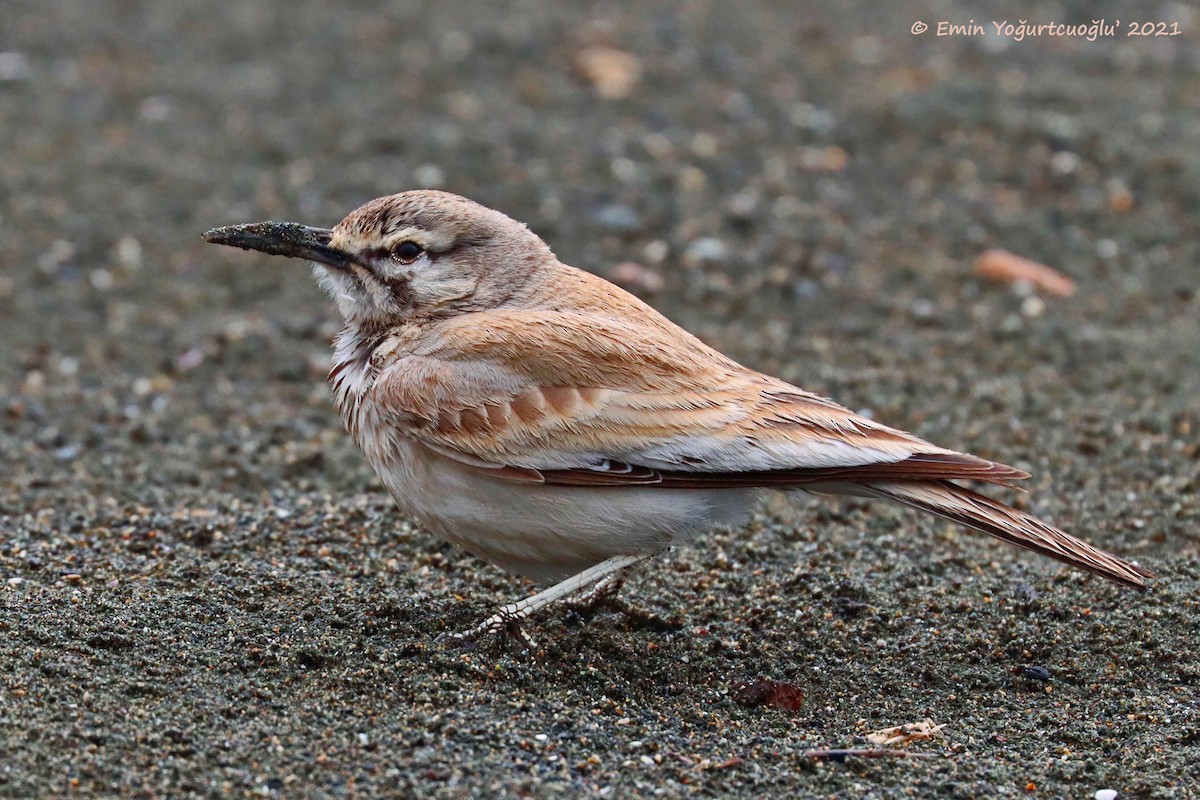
(806,188)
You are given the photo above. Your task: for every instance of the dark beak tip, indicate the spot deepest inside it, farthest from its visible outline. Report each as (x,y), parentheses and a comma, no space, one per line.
(231,237)
(216,236)
(237,235)
(289,239)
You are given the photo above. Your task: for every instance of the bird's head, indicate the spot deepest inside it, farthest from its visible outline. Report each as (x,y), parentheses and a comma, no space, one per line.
(418,254)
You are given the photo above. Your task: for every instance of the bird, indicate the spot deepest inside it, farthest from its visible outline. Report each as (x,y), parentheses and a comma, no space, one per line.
(555,425)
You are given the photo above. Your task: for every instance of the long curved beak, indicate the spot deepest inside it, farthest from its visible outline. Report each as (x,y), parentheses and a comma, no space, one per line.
(282,239)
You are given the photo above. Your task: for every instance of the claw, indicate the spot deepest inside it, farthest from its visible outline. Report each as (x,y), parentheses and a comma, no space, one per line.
(503,623)
(458,639)
(515,630)
(605,580)
(603,592)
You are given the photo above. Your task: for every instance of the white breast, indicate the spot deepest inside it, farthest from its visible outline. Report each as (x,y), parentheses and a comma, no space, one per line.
(539,531)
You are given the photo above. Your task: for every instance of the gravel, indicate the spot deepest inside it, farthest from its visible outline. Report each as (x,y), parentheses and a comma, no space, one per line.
(206,593)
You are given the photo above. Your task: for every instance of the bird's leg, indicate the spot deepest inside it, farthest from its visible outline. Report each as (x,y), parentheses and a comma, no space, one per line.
(509,618)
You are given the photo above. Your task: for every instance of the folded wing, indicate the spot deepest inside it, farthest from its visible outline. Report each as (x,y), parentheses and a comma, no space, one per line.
(585,400)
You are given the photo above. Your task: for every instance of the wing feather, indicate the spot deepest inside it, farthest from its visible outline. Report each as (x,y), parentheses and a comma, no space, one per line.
(579,399)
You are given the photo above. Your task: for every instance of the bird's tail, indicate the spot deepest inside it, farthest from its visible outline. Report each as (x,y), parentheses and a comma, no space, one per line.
(955,503)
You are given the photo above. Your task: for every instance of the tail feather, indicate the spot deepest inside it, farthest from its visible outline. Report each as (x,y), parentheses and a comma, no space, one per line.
(957,504)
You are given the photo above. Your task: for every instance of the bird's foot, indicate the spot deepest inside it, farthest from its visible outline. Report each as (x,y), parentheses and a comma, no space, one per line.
(604,580)
(601,594)
(506,623)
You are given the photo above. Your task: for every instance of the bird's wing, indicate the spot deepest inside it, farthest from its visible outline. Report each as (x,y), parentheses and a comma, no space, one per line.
(581,399)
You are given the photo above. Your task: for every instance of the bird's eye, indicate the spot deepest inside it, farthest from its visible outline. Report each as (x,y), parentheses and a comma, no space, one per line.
(407,252)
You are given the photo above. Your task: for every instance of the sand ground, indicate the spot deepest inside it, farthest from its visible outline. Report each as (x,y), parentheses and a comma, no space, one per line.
(206,592)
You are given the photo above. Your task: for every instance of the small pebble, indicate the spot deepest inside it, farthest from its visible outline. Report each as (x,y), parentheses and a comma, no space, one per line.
(656,251)
(1035,673)
(1033,306)
(429,176)
(704,250)
(157,108)
(611,72)
(743,206)
(128,251)
(632,275)
(189,360)
(14,66)
(101,280)
(618,217)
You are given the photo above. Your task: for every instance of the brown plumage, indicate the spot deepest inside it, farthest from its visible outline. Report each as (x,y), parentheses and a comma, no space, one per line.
(554,424)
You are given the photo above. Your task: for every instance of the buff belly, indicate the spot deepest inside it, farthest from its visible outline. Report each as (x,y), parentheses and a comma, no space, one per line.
(548,532)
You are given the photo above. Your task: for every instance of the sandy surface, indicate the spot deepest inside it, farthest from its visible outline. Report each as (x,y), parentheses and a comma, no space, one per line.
(206,593)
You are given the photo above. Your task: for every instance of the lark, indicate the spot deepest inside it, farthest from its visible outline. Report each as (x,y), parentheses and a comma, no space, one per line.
(558,427)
